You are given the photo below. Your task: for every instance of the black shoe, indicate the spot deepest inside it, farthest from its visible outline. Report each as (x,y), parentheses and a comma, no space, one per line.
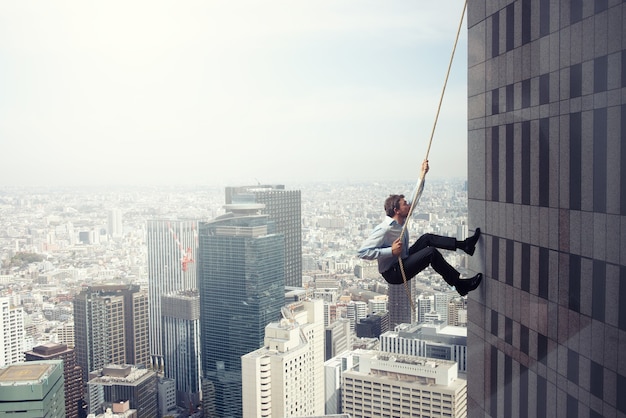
(469,245)
(467,285)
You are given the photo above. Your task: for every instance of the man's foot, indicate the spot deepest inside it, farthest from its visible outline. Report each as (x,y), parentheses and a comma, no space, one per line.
(467,285)
(469,245)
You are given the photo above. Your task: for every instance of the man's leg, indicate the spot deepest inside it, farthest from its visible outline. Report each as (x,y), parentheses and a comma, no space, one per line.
(446,243)
(432,240)
(417,262)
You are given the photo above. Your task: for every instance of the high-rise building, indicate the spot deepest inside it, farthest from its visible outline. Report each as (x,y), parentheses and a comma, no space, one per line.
(547,186)
(111,325)
(382,384)
(11,332)
(65,334)
(399,304)
(284,208)
(333,369)
(72,374)
(123,383)
(425,304)
(377,304)
(356,311)
(437,341)
(114,223)
(442,299)
(338,338)
(33,389)
(286,376)
(166,394)
(172,247)
(180,313)
(241,274)
(457,312)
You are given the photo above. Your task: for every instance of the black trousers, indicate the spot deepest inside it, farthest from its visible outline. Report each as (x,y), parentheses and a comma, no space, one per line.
(424,253)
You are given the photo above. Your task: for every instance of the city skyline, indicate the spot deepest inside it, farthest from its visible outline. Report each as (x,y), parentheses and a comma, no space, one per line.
(129,94)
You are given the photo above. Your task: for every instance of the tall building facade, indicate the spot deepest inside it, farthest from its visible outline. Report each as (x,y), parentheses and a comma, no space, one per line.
(241,273)
(11,332)
(284,207)
(286,376)
(172,247)
(111,326)
(72,374)
(33,389)
(547,186)
(181,320)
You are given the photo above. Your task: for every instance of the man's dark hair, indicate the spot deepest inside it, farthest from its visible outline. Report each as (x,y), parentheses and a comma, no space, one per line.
(392,203)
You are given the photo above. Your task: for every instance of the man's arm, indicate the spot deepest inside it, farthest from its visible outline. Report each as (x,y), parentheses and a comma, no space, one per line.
(420,183)
(372,248)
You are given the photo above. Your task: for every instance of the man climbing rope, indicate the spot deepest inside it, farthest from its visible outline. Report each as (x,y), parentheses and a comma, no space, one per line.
(386,245)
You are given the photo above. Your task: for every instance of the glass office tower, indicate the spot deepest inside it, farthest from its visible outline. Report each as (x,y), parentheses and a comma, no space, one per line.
(285,210)
(241,275)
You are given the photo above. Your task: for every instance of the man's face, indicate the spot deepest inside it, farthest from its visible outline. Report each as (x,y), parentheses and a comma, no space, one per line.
(403,209)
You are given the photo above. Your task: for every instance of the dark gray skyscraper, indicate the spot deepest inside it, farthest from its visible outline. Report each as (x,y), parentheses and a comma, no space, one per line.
(241,274)
(111,326)
(284,208)
(547,186)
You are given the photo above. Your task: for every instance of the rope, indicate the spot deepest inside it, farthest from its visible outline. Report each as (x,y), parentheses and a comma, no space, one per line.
(418,189)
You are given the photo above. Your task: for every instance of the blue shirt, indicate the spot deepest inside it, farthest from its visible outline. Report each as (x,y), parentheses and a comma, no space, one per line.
(378,245)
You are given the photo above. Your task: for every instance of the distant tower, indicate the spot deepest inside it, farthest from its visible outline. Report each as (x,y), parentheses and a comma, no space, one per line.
(241,274)
(442,300)
(114,223)
(110,323)
(172,247)
(32,389)
(399,305)
(180,313)
(11,332)
(286,376)
(425,304)
(284,208)
(72,374)
(338,338)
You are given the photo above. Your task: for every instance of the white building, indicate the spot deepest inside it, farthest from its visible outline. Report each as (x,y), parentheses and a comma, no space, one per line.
(436,341)
(356,311)
(425,304)
(11,333)
(378,304)
(333,370)
(286,376)
(114,223)
(384,384)
(442,300)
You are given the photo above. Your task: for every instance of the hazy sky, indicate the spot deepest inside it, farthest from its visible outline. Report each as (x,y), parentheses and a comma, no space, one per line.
(229,92)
